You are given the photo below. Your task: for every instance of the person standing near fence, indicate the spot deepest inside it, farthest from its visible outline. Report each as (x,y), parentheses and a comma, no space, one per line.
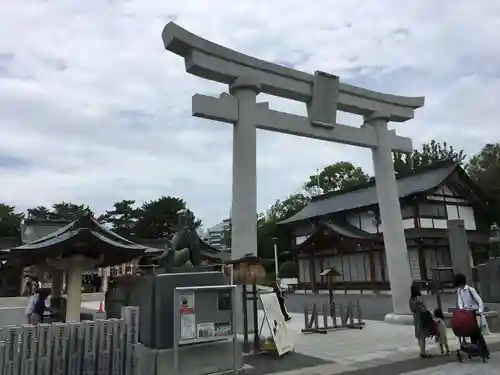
(281,299)
(36,316)
(31,305)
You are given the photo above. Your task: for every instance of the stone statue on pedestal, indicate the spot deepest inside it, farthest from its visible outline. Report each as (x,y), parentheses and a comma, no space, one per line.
(185,250)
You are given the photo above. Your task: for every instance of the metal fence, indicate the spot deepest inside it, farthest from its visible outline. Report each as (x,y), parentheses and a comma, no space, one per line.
(334,316)
(102,347)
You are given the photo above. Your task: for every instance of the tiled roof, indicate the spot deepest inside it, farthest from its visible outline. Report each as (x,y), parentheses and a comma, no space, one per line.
(367,195)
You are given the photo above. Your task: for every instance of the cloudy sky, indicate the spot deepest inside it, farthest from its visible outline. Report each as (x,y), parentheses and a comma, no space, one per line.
(93,109)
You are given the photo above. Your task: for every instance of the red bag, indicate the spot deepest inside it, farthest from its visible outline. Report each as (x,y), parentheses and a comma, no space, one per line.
(463,323)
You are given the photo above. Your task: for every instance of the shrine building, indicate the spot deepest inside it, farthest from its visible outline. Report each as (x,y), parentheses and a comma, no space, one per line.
(342,230)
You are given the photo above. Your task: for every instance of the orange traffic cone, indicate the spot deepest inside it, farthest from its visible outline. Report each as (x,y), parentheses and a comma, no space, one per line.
(101,307)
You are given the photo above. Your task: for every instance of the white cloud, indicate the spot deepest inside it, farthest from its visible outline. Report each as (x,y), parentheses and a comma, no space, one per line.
(93,109)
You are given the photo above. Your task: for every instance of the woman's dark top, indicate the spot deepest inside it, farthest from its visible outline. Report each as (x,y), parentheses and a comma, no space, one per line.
(421,317)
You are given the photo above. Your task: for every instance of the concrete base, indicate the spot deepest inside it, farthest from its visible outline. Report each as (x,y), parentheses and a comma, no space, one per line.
(215,357)
(401,319)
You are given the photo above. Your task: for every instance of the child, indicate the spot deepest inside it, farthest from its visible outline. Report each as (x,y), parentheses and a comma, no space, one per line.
(441,338)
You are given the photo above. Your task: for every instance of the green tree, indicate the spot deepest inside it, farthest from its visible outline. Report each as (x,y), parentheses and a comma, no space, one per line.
(10,221)
(68,211)
(341,175)
(270,232)
(38,213)
(428,154)
(484,170)
(338,176)
(288,269)
(226,239)
(283,209)
(159,218)
(122,218)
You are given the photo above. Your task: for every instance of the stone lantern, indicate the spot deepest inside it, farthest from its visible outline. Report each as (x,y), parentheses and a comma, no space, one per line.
(494,241)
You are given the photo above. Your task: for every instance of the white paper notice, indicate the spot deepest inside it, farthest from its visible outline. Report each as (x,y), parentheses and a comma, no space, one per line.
(188,327)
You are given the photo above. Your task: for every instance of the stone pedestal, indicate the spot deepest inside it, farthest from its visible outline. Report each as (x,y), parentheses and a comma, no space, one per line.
(461,257)
(209,358)
(489,281)
(74,266)
(402,319)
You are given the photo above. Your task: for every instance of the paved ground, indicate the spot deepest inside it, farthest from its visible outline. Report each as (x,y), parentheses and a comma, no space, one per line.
(270,364)
(397,364)
(436,366)
(378,349)
(469,368)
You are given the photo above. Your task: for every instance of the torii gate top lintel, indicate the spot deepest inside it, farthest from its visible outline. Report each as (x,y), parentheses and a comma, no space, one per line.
(211,61)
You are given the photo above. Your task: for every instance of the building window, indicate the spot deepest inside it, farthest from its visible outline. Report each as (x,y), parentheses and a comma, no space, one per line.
(432,210)
(407,212)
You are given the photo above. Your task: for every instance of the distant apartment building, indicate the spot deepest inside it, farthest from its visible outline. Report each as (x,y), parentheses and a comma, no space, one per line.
(215,236)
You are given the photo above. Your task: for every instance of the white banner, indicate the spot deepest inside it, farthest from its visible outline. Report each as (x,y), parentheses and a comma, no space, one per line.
(276,322)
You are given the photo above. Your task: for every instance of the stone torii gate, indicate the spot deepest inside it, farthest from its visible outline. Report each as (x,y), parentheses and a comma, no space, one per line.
(323,95)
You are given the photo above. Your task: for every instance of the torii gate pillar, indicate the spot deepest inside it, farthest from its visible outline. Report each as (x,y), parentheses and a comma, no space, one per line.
(244,197)
(324,95)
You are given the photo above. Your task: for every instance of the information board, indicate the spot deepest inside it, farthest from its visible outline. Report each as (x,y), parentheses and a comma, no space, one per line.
(191,329)
(187,316)
(276,322)
(202,315)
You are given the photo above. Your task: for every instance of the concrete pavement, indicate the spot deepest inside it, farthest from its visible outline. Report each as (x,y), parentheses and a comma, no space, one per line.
(378,345)
(466,368)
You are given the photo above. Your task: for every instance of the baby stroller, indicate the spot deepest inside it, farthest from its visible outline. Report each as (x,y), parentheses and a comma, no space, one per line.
(464,326)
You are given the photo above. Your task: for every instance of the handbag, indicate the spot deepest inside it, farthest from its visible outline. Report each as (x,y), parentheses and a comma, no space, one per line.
(485,329)
(463,323)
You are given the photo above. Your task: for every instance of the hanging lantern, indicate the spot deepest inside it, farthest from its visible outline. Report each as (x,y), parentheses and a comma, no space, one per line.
(247,270)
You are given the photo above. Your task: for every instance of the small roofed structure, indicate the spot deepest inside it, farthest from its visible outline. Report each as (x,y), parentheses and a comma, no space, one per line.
(81,245)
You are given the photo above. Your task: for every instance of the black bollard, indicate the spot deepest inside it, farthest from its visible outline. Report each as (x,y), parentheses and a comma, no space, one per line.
(256,338)
(306,317)
(325,316)
(245,317)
